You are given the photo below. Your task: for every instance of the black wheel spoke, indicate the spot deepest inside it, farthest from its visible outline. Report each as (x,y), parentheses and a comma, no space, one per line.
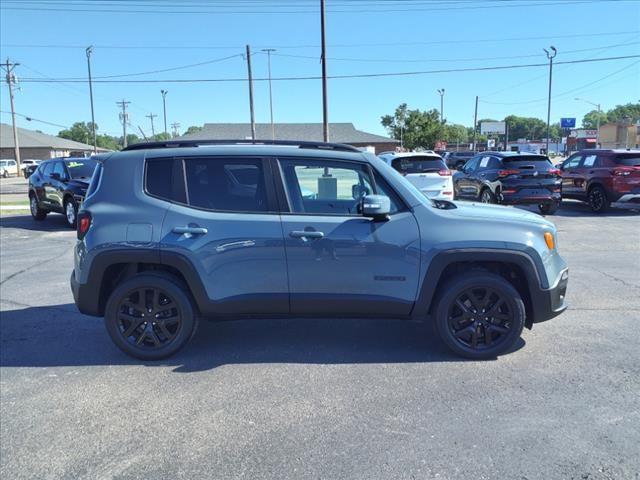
(154,338)
(142,337)
(142,299)
(465,332)
(498,329)
(487,335)
(463,307)
(163,328)
(134,323)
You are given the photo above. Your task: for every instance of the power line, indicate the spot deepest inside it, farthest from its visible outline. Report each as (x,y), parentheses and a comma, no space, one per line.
(32,119)
(346,76)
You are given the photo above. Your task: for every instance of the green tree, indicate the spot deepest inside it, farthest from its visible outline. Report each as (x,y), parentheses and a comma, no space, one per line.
(108,142)
(414,127)
(79,132)
(193,129)
(454,134)
(530,128)
(590,120)
(625,113)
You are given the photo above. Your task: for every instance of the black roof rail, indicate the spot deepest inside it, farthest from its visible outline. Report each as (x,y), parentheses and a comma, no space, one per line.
(197,143)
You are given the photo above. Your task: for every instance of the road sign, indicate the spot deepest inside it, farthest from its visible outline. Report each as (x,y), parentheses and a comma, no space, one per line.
(568,123)
(491,143)
(492,127)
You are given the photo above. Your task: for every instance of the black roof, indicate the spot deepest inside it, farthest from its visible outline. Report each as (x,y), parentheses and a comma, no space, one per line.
(187,143)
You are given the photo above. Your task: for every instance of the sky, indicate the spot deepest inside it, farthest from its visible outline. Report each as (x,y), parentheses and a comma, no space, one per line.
(48,39)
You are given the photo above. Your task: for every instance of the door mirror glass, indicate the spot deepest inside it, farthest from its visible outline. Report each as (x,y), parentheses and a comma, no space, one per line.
(377,207)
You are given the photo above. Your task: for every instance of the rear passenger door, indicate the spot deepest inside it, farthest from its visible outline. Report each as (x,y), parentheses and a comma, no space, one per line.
(224,221)
(341,263)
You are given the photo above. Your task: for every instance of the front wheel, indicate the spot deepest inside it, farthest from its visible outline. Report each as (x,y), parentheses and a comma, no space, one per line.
(70,212)
(479,315)
(150,316)
(549,208)
(5,174)
(598,200)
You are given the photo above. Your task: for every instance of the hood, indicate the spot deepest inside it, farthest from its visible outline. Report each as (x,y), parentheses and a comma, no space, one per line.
(483,211)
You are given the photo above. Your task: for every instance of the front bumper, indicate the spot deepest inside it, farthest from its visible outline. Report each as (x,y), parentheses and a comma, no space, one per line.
(551,302)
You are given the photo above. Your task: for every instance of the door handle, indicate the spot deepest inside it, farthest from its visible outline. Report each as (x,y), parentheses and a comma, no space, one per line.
(303,234)
(190,230)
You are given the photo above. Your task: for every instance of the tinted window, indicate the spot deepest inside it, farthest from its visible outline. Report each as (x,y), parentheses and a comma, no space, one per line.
(472,164)
(572,162)
(527,162)
(418,164)
(81,168)
(46,168)
(58,168)
(235,185)
(628,159)
(95,180)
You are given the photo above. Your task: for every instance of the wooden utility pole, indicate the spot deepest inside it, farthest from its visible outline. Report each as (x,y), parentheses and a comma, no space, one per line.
(151,116)
(253,117)
(475,124)
(124,117)
(89,50)
(11,78)
(325,109)
(175,127)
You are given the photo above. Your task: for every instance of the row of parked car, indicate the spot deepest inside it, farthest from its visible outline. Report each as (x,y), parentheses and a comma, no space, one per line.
(598,177)
(9,167)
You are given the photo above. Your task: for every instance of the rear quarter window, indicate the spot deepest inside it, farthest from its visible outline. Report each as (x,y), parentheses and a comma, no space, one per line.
(628,159)
(164,179)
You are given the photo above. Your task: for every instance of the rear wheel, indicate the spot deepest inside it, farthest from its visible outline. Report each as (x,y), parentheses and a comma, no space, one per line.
(5,174)
(549,208)
(479,315)
(598,200)
(487,197)
(70,212)
(150,317)
(36,212)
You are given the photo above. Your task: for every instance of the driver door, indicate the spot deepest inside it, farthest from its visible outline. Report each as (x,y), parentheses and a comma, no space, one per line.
(339,262)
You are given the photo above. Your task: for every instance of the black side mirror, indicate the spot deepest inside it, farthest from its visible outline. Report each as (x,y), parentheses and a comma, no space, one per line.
(460,168)
(55,176)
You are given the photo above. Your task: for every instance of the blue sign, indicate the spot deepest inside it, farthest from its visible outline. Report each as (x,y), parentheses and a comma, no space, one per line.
(568,122)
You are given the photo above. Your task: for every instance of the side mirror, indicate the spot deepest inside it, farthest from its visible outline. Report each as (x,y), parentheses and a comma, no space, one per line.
(377,207)
(55,176)
(460,168)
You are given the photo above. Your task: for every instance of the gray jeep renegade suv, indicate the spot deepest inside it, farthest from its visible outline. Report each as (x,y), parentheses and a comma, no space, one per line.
(171,232)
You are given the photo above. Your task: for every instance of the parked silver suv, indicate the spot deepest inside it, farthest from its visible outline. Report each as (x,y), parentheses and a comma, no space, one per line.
(171,232)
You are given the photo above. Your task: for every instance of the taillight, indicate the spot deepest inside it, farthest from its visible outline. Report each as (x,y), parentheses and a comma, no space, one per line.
(555,171)
(84,223)
(445,173)
(506,173)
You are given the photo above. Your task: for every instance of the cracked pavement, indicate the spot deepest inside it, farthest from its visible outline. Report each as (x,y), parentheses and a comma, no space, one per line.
(323,399)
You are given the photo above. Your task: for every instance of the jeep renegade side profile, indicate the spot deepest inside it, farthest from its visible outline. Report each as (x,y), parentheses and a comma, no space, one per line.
(175,231)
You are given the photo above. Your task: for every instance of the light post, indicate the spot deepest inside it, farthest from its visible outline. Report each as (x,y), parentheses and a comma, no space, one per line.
(273,129)
(441,93)
(164,109)
(550,55)
(89,50)
(597,105)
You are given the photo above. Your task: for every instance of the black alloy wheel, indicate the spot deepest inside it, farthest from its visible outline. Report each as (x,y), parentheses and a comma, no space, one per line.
(480,315)
(598,200)
(150,316)
(487,197)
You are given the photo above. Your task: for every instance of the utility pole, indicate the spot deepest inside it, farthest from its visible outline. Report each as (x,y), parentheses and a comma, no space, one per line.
(143,135)
(597,105)
(253,118)
(325,109)
(441,93)
(550,55)
(11,78)
(89,51)
(475,124)
(273,129)
(124,117)
(175,127)
(151,116)
(164,109)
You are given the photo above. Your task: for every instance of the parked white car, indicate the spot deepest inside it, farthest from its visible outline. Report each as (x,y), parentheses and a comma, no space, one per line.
(25,163)
(8,167)
(426,171)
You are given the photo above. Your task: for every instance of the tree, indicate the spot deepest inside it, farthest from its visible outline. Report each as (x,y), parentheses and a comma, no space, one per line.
(414,128)
(454,134)
(590,120)
(79,132)
(526,127)
(193,129)
(625,113)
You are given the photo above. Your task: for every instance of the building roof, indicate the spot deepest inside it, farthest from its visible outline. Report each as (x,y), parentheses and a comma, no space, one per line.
(338,133)
(32,139)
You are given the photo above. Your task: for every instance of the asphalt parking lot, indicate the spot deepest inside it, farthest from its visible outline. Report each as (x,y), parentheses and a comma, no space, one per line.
(327,399)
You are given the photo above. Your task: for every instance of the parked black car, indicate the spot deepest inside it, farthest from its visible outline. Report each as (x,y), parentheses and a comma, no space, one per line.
(457,159)
(510,178)
(59,185)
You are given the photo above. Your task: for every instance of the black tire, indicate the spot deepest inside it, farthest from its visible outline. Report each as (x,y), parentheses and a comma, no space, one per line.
(70,212)
(487,196)
(5,174)
(459,318)
(160,338)
(598,200)
(37,213)
(549,208)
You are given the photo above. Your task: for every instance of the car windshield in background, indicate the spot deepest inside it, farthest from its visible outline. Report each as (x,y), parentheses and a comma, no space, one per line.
(81,168)
(418,164)
(628,160)
(523,161)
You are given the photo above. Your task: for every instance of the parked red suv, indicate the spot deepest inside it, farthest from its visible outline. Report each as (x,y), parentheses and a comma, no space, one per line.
(600,177)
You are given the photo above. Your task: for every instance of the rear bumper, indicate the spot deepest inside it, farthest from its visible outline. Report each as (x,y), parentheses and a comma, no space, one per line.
(529,197)
(549,303)
(633,196)
(84,296)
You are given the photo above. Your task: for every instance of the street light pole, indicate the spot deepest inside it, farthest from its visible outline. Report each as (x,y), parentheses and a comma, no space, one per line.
(89,51)
(550,55)
(325,109)
(273,129)
(441,93)
(597,105)
(164,109)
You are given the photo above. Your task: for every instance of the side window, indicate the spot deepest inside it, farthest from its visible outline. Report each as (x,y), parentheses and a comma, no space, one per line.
(572,162)
(58,168)
(494,164)
(472,164)
(590,161)
(164,179)
(324,186)
(46,169)
(226,184)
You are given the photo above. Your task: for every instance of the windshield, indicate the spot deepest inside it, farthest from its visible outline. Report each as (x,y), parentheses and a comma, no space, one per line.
(81,168)
(628,159)
(409,165)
